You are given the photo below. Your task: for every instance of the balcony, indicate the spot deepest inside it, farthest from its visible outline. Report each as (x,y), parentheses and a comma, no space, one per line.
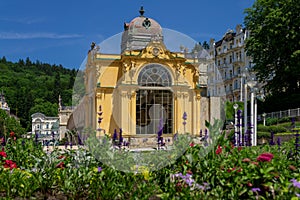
(238,61)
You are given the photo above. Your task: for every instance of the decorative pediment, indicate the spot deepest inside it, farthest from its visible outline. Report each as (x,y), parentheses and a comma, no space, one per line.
(156,49)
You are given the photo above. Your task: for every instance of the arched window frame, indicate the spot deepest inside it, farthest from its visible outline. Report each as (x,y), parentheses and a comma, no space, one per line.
(155,75)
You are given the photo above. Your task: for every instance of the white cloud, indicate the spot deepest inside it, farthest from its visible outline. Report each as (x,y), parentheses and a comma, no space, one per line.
(17,36)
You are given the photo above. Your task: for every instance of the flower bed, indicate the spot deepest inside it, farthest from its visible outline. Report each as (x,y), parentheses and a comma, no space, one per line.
(220,172)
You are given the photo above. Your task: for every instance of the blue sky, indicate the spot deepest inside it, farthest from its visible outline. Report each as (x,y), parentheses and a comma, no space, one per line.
(61,31)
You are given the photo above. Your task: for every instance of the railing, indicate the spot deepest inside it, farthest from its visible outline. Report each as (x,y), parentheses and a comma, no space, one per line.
(281,114)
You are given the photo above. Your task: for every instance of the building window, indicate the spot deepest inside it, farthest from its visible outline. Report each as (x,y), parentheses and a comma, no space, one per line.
(230,59)
(154,75)
(154,100)
(235,84)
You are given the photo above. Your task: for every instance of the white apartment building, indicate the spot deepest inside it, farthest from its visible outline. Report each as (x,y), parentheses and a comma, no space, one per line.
(43,125)
(225,73)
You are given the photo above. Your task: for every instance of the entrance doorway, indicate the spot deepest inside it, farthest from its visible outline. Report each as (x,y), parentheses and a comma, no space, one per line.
(154,100)
(154,111)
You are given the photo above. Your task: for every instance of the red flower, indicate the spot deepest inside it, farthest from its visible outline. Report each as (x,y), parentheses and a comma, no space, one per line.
(60,165)
(3,154)
(12,134)
(265,157)
(219,150)
(61,157)
(230,170)
(9,164)
(192,144)
(240,148)
(232,146)
(249,184)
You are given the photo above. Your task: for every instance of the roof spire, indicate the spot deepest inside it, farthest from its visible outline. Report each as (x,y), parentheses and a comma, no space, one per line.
(142,11)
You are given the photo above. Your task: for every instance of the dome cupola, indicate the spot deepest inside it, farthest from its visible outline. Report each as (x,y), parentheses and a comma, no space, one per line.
(139,32)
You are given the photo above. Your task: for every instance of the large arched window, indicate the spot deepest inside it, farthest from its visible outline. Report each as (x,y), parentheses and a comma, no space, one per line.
(154,100)
(154,75)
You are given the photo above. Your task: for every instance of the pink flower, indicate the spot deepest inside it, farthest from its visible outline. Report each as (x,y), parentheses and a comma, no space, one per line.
(254,163)
(3,154)
(265,157)
(192,144)
(189,172)
(268,155)
(246,160)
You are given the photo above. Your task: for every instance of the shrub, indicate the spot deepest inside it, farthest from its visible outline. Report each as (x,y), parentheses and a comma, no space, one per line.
(271,121)
(263,135)
(284,119)
(262,128)
(275,129)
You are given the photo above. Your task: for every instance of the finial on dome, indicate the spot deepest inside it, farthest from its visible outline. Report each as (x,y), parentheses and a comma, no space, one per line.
(142,11)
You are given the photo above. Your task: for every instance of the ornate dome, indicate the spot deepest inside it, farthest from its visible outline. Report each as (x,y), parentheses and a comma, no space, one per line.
(144,25)
(139,32)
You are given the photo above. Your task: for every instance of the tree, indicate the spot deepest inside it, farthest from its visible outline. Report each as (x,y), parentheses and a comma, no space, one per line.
(274,44)
(3,60)
(28,62)
(9,124)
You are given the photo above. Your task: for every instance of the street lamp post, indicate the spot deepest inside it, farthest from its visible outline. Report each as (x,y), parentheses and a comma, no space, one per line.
(264,118)
(245,108)
(255,117)
(253,107)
